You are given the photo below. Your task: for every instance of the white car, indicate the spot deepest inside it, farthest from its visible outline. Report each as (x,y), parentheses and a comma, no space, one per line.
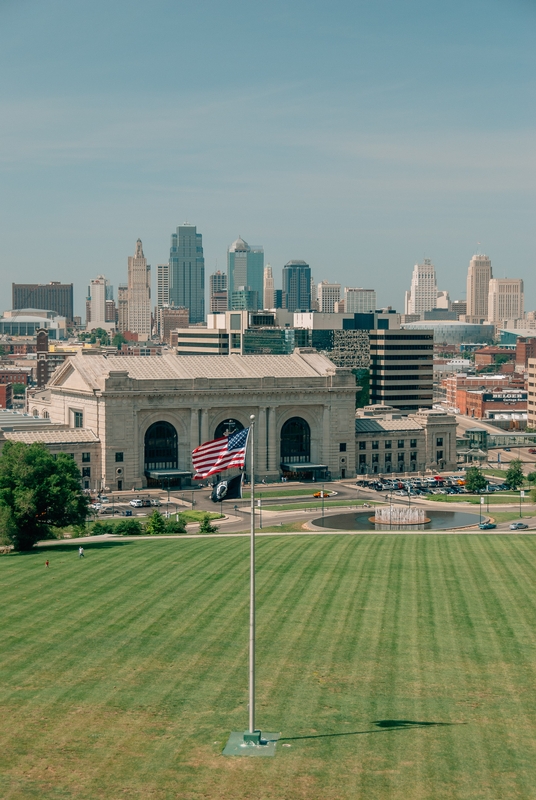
(136,503)
(95,506)
(156,502)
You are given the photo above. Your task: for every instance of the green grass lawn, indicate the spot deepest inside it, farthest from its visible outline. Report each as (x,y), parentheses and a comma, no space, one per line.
(396,668)
(502,498)
(282,492)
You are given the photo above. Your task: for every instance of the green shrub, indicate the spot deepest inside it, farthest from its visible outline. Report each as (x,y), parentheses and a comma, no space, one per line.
(176,526)
(206,525)
(100,528)
(128,527)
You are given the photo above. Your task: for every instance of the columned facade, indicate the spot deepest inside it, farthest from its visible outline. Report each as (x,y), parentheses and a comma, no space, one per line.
(138,407)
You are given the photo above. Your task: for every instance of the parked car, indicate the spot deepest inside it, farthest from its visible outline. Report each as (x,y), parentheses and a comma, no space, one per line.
(155,502)
(507,449)
(136,503)
(95,506)
(107,510)
(103,499)
(321,494)
(518,526)
(487,526)
(532,450)
(146,503)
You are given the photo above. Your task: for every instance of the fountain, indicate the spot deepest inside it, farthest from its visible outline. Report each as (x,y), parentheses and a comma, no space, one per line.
(399,515)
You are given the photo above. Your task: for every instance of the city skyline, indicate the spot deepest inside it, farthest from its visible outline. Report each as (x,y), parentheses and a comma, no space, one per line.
(353,156)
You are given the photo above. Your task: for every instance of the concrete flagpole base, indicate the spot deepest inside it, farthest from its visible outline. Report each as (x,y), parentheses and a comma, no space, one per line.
(247,743)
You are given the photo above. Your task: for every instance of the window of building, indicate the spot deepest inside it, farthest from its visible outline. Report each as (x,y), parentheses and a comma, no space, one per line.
(78,419)
(388,458)
(235,322)
(86,458)
(439,455)
(375,445)
(86,472)
(439,441)
(400,443)
(413,456)
(375,458)
(401,457)
(413,442)
(235,341)
(362,458)
(118,457)
(342,447)
(362,445)
(388,444)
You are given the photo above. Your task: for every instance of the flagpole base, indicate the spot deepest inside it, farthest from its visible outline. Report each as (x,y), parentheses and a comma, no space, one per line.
(247,743)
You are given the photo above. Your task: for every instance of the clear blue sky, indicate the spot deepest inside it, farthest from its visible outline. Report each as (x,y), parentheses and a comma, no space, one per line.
(360,136)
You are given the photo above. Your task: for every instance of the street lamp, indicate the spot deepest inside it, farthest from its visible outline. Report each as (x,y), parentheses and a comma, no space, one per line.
(322,490)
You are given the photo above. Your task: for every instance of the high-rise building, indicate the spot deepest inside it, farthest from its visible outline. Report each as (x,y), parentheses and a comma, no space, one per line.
(268,288)
(297,286)
(479,275)
(169,319)
(97,295)
(359,301)
(245,271)
(328,294)
(423,293)
(505,299)
(53,296)
(217,292)
(139,294)
(459,307)
(122,307)
(402,368)
(187,272)
(162,285)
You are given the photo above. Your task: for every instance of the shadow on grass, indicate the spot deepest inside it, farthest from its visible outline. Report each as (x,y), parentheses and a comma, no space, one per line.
(383,726)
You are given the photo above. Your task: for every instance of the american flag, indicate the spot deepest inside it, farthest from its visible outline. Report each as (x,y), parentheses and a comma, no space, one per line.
(220,454)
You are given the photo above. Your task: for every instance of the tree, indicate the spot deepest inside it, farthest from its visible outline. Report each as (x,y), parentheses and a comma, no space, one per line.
(206,525)
(118,340)
(176,526)
(474,480)
(531,477)
(129,527)
(18,388)
(533,495)
(514,474)
(156,524)
(100,528)
(38,493)
(362,378)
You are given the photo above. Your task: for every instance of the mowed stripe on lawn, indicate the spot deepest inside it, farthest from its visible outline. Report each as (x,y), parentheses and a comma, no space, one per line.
(395,667)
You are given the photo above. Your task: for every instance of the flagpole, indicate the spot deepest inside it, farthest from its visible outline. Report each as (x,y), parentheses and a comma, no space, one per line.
(252,583)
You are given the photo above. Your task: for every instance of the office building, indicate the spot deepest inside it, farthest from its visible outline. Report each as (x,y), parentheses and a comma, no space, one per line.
(505,300)
(359,301)
(98,293)
(162,285)
(53,296)
(170,318)
(122,307)
(218,300)
(401,368)
(328,294)
(423,293)
(297,286)
(268,288)
(479,275)
(187,272)
(139,294)
(459,307)
(245,272)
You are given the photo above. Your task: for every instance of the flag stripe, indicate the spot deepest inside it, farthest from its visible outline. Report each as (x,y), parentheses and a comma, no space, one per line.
(220,454)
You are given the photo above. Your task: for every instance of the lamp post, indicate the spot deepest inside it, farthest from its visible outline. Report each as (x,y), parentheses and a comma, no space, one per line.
(322,491)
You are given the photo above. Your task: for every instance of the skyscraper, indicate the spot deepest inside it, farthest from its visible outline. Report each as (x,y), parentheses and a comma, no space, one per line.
(268,288)
(245,270)
(187,272)
(53,296)
(297,286)
(122,307)
(505,300)
(162,285)
(479,275)
(139,293)
(359,301)
(217,292)
(423,293)
(98,293)
(328,295)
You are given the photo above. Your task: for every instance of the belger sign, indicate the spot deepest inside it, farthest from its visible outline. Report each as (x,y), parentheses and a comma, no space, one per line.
(505,397)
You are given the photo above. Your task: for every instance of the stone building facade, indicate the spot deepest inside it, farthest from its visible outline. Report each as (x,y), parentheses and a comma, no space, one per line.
(149,413)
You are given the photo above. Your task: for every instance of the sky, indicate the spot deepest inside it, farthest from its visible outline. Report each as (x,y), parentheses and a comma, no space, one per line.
(359,135)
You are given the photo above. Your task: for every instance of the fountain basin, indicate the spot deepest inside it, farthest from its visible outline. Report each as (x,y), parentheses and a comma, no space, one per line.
(362,521)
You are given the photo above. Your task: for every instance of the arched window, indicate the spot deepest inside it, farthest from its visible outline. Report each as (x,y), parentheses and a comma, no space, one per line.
(161,447)
(295,441)
(227,427)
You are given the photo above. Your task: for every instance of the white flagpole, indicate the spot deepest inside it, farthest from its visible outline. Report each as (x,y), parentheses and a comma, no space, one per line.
(252,583)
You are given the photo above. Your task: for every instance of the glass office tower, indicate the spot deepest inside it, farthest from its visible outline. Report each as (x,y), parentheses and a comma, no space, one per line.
(187,271)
